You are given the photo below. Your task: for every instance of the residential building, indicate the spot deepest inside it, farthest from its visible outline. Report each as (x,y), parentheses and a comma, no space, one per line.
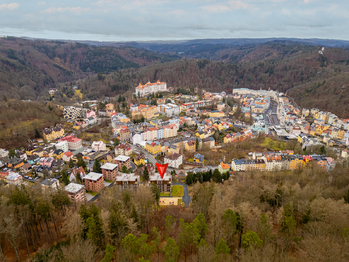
(123,149)
(33,159)
(58,154)
(98,146)
(3,153)
(169,109)
(198,158)
(14,178)
(150,88)
(53,133)
(109,171)
(63,145)
(15,162)
(127,181)
(139,159)
(75,172)
(208,142)
(30,150)
(124,134)
(238,164)
(164,184)
(76,192)
(223,168)
(153,147)
(122,161)
(94,182)
(190,146)
(147,112)
(50,183)
(217,113)
(174,160)
(109,108)
(67,156)
(74,143)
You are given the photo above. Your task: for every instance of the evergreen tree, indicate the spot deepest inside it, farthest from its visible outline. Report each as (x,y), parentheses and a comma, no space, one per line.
(116,142)
(71,163)
(124,169)
(171,250)
(37,134)
(197,143)
(65,178)
(12,153)
(222,248)
(108,253)
(81,162)
(146,174)
(97,167)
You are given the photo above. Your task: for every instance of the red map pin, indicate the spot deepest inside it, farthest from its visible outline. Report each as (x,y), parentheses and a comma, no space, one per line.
(162,169)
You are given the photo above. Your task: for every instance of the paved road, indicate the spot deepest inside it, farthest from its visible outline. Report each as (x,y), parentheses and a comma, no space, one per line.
(149,156)
(186,198)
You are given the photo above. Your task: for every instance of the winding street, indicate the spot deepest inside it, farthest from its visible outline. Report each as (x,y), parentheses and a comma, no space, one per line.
(185,198)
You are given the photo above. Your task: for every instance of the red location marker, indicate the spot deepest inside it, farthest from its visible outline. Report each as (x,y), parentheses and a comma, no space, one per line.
(162,169)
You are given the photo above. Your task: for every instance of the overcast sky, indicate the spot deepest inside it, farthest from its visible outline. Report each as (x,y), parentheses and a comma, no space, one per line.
(118,20)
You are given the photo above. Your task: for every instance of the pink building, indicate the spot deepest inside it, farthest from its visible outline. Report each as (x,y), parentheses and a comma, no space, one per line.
(90,113)
(46,161)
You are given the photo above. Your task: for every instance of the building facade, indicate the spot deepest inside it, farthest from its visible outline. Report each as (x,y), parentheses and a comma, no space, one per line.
(94,182)
(150,88)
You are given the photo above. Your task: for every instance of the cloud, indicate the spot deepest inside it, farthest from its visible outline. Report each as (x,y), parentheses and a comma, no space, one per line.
(42,3)
(76,10)
(216,8)
(238,5)
(228,6)
(11,6)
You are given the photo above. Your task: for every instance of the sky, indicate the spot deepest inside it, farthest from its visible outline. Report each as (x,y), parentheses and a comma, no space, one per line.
(147,20)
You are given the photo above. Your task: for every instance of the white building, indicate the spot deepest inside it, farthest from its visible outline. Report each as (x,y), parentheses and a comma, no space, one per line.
(76,192)
(137,138)
(98,146)
(3,153)
(169,109)
(150,88)
(174,160)
(14,178)
(62,146)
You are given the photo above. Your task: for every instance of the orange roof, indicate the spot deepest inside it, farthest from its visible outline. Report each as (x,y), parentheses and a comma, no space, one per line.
(224,166)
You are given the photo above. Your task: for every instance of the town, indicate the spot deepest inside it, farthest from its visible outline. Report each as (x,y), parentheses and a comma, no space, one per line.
(98,144)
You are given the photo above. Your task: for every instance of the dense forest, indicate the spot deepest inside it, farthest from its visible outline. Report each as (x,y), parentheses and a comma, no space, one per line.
(28,68)
(301,215)
(20,121)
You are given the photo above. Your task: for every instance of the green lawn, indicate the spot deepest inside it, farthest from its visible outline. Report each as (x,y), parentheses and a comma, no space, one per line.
(275,145)
(165,194)
(92,193)
(177,191)
(108,181)
(180,202)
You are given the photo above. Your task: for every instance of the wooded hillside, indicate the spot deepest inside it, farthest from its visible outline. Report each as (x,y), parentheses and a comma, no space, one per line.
(301,215)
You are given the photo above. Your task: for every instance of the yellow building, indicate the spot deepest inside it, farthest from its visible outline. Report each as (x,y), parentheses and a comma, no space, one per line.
(340,134)
(145,111)
(29,150)
(190,146)
(58,154)
(139,160)
(296,163)
(153,147)
(217,114)
(53,133)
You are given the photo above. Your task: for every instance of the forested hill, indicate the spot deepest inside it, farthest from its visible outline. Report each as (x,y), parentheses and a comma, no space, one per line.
(283,67)
(28,68)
